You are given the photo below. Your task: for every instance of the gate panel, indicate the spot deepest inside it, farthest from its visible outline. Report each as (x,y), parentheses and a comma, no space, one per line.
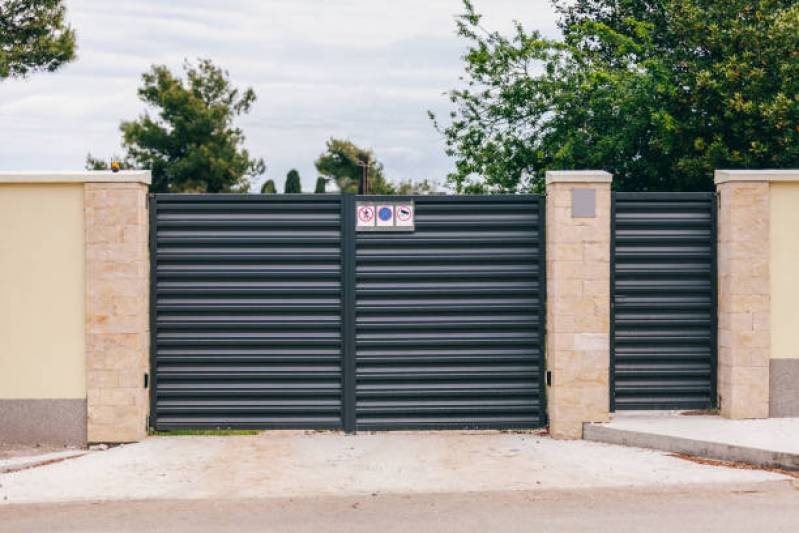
(246,296)
(663,285)
(450,318)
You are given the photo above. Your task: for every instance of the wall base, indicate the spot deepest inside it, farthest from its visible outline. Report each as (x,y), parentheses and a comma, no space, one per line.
(784,388)
(51,422)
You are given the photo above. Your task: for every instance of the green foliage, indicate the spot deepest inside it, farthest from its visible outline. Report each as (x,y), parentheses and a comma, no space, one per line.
(191,145)
(344,162)
(293,183)
(321,183)
(93,163)
(268,187)
(423,186)
(34,36)
(658,92)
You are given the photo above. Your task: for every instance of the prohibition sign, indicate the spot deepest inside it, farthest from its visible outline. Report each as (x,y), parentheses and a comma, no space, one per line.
(366,214)
(385,213)
(404,213)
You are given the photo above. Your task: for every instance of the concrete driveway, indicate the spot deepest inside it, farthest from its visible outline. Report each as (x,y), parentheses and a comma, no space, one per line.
(318,464)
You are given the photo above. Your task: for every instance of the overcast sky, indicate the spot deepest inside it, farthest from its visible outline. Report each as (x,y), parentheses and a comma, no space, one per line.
(367,70)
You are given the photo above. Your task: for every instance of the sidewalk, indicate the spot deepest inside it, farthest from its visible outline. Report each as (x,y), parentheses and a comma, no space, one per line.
(771,442)
(286,464)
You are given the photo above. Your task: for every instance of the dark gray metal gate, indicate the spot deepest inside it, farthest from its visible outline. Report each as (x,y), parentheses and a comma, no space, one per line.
(663,301)
(450,321)
(269,311)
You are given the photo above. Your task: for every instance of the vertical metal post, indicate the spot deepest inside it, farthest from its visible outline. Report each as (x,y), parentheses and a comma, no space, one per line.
(348,312)
(542,308)
(153,382)
(714,281)
(612,332)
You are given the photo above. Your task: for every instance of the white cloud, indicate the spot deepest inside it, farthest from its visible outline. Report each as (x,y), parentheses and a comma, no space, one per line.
(364,69)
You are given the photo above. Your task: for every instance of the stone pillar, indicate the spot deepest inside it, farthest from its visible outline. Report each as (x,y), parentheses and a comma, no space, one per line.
(743,294)
(117,310)
(578,300)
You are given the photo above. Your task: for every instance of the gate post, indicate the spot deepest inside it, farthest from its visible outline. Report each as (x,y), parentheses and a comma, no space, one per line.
(758,257)
(578,294)
(117,306)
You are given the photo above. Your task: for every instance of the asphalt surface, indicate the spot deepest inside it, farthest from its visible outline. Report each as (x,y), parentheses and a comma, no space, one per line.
(761,507)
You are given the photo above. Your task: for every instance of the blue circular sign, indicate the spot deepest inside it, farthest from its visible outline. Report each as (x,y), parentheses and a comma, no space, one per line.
(385,213)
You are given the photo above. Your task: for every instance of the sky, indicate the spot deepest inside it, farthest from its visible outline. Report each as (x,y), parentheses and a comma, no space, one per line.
(366,70)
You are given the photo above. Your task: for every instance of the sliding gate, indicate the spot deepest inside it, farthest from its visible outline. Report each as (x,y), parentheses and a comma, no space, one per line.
(663,301)
(272,311)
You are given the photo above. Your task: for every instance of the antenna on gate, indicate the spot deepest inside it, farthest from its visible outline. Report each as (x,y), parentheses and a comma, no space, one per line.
(363,184)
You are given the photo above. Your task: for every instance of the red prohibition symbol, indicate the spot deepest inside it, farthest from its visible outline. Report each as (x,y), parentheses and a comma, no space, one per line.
(404,213)
(366,213)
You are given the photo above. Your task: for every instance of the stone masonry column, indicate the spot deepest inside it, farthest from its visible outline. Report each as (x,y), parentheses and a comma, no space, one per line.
(743,294)
(578,300)
(117,307)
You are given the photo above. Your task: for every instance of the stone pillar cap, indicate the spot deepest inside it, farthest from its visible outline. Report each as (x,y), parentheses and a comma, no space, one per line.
(85,176)
(725,176)
(578,176)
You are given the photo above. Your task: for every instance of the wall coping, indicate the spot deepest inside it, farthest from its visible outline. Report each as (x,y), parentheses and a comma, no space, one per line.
(726,176)
(578,176)
(85,176)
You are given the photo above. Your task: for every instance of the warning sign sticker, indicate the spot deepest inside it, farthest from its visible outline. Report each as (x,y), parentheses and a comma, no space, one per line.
(366,215)
(385,216)
(403,213)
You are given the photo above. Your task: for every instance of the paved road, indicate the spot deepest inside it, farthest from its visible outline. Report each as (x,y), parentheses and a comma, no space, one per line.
(762,507)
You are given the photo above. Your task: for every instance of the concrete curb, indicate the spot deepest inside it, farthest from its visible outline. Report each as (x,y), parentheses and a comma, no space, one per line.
(15,464)
(700,448)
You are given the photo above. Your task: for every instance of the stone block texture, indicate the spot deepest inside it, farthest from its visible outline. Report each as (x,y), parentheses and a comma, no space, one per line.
(743,299)
(578,310)
(117,311)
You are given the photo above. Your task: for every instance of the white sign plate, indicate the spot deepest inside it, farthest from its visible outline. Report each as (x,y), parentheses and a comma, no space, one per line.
(385,216)
(403,215)
(365,215)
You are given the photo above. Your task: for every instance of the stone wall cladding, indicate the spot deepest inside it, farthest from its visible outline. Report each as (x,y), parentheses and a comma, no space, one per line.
(117,311)
(743,299)
(578,310)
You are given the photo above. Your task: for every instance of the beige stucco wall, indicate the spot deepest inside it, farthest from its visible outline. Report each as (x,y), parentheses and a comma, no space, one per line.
(784,269)
(42,340)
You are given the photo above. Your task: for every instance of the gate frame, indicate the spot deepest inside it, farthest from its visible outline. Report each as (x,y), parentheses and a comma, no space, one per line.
(714,207)
(348,262)
(541,200)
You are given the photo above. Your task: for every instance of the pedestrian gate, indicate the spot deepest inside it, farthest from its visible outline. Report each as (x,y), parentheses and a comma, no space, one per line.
(663,301)
(271,311)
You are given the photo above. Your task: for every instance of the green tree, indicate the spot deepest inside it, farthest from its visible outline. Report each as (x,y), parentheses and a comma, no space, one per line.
(321,184)
(34,36)
(93,163)
(423,186)
(658,92)
(343,162)
(191,144)
(268,187)
(293,183)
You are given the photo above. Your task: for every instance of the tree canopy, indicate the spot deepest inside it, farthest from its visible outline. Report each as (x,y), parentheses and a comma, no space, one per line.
(321,184)
(268,187)
(293,183)
(658,92)
(34,36)
(343,162)
(191,143)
